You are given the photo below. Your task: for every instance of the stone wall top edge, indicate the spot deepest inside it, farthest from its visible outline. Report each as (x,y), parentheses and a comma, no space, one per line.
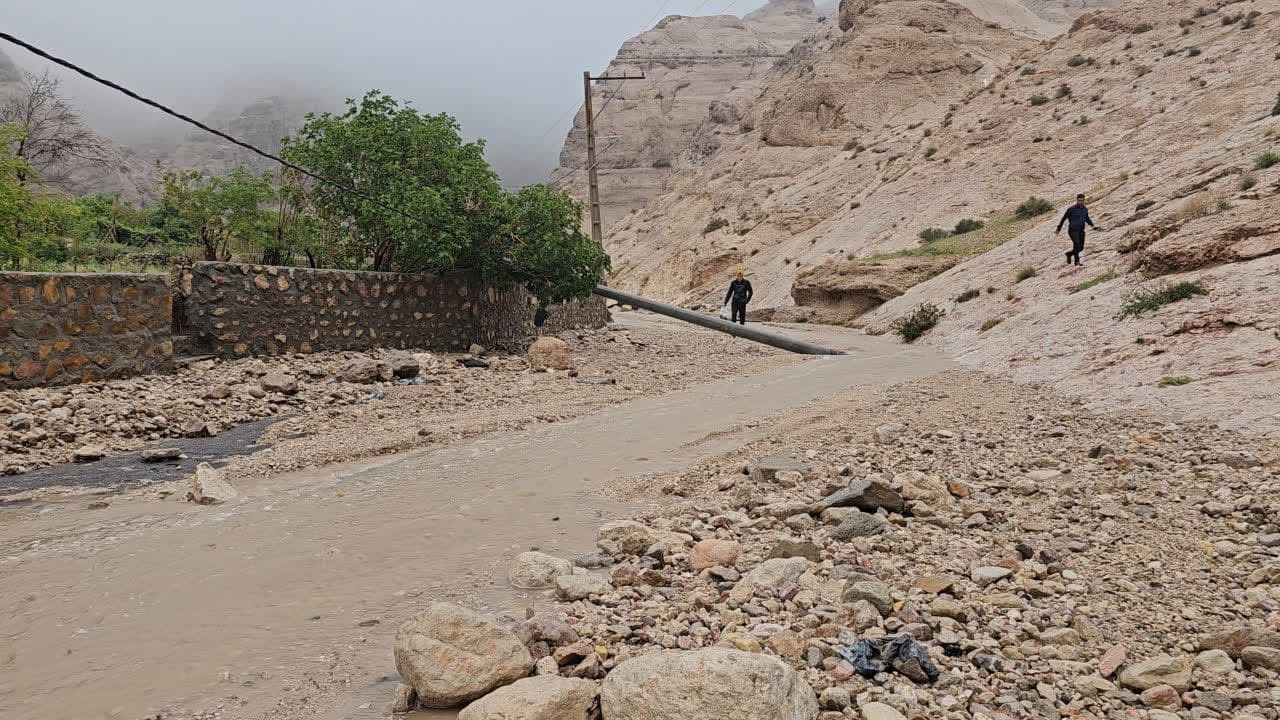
(18,276)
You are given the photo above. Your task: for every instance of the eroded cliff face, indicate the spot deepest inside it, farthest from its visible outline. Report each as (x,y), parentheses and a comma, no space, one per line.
(916,117)
(262,123)
(701,75)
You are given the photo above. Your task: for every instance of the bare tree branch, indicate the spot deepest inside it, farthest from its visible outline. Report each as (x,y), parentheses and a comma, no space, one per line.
(54,133)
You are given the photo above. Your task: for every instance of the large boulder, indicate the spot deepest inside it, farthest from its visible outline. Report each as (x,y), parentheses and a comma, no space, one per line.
(546,697)
(625,537)
(535,570)
(713,552)
(210,486)
(451,655)
(403,364)
(550,353)
(278,382)
(711,684)
(1160,670)
(1234,639)
(365,371)
(929,489)
(769,577)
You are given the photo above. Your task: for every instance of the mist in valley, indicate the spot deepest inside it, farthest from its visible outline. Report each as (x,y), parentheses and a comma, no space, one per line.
(509,70)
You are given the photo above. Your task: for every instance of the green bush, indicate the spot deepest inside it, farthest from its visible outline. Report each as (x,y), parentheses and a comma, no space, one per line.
(1033,207)
(1025,273)
(1193,52)
(1175,381)
(967,226)
(1064,91)
(930,152)
(967,295)
(1086,285)
(1248,181)
(1038,100)
(1266,160)
(913,326)
(933,234)
(1147,299)
(1078,60)
(991,323)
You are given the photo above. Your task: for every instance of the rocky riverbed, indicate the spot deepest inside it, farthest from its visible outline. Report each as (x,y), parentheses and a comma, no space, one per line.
(1046,562)
(334,407)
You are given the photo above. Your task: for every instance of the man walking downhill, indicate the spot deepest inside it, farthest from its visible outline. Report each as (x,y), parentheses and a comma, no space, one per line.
(739,294)
(1076,217)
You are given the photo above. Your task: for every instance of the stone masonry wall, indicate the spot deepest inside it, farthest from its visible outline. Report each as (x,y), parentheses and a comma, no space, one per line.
(235,310)
(59,329)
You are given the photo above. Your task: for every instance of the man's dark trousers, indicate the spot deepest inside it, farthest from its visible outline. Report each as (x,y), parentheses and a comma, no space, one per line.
(1077,245)
(739,313)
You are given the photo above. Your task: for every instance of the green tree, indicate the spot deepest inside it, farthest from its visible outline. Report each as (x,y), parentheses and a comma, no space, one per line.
(224,213)
(426,196)
(427,200)
(15,198)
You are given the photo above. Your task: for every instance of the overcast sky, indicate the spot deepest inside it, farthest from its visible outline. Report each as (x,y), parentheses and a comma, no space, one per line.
(507,69)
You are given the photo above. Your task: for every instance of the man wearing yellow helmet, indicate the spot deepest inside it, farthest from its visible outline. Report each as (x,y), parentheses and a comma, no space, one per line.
(739,294)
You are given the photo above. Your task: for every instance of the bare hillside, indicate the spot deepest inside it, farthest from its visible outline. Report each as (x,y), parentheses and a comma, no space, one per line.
(1165,121)
(701,72)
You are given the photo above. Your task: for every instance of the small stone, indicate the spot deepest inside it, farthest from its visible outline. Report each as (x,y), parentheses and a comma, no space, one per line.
(1162,697)
(1215,662)
(580,587)
(714,553)
(1111,660)
(155,455)
(933,584)
(549,353)
(20,421)
(786,643)
(1261,657)
(210,487)
(880,711)
(217,392)
(873,591)
(948,608)
(1060,636)
(889,433)
(546,666)
(858,524)
(535,570)
(985,576)
(88,453)
(405,699)
(834,698)
(794,548)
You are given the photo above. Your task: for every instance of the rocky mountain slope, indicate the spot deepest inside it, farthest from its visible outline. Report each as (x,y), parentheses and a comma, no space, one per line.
(919,115)
(262,123)
(121,171)
(701,74)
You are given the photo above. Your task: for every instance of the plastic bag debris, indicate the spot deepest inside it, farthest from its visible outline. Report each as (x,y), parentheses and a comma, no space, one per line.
(902,653)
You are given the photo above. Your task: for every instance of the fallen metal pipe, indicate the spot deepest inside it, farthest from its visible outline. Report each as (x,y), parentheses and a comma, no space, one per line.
(714,323)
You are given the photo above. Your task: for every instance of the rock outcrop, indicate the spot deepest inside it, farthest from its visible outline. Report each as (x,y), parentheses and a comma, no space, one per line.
(701,73)
(450,655)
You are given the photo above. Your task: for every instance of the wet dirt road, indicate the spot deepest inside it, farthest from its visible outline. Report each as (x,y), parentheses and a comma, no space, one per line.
(270,606)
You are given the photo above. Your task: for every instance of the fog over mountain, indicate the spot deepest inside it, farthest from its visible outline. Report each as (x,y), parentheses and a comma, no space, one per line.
(509,70)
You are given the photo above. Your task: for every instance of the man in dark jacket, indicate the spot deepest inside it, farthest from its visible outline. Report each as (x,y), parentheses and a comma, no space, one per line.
(1076,217)
(739,294)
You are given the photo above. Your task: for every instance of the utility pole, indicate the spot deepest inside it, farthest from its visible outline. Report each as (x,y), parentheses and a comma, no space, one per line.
(593,181)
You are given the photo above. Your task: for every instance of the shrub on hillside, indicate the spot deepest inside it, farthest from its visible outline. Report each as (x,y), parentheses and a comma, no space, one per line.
(1038,100)
(933,234)
(1064,91)
(1143,28)
(967,226)
(913,326)
(1248,181)
(1148,299)
(1078,60)
(1025,273)
(714,225)
(1088,284)
(1266,160)
(1275,111)
(990,324)
(1033,207)
(1175,381)
(967,295)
